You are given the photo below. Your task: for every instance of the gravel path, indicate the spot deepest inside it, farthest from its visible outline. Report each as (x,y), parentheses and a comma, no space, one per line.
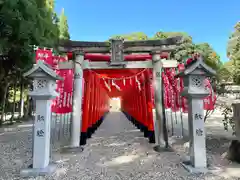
(117,151)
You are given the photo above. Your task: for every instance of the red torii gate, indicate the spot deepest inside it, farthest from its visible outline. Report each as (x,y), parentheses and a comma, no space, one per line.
(116,75)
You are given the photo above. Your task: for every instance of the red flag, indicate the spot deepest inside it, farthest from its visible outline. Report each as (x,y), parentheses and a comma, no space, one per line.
(44,55)
(209,101)
(183,103)
(63,103)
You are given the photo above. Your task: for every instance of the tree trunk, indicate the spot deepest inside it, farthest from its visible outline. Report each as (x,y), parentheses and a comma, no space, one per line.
(31,104)
(30,111)
(26,109)
(14,101)
(21,100)
(5,91)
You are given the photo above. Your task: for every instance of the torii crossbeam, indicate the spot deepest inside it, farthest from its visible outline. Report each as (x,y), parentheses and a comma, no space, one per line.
(118,47)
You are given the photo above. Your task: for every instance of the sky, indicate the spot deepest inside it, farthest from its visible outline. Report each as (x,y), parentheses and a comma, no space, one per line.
(208,21)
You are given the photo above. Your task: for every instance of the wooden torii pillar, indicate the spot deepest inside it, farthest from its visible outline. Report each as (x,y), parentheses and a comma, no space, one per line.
(117,48)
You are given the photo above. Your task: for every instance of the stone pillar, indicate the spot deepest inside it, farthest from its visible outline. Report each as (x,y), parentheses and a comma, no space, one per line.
(41,147)
(43,93)
(236,118)
(76,125)
(194,90)
(197,137)
(157,84)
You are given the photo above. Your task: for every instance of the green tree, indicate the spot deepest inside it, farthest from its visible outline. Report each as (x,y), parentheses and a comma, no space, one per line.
(63,26)
(210,56)
(132,36)
(24,23)
(233,52)
(184,50)
(50,4)
(187,48)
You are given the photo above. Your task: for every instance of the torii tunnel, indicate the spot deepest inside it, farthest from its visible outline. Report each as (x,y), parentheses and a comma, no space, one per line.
(132,85)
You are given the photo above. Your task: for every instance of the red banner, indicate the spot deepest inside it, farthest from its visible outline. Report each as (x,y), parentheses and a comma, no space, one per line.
(44,55)
(63,103)
(167,99)
(65,89)
(183,103)
(173,87)
(152,94)
(210,100)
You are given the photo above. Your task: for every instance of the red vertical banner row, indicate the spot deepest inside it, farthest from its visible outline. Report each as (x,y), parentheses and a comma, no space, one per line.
(63,103)
(137,103)
(173,88)
(95,105)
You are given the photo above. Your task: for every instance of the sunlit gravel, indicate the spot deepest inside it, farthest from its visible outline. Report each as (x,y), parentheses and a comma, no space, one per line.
(117,151)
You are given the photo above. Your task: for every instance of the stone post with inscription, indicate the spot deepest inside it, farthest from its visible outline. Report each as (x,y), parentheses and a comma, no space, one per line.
(194,90)
(76,125)
(157,84)
(43,92)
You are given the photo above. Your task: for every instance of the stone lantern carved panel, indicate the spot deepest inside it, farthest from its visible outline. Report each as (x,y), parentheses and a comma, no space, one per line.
(197,83)
(39,84)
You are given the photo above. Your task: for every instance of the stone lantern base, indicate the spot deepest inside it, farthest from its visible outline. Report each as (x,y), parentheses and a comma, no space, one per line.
(210,169)
(34,172)
(70,150)
(188,166)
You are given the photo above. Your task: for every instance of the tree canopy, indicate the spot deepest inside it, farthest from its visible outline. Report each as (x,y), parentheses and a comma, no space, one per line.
(25,23)
(63,26)
(233,52)
(185,50)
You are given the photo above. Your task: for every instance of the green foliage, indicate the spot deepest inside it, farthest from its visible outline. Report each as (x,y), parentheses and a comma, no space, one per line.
(17,97)
(183,51)
(210,56)
(228,119)
(63,26)
(25,23)
(233,52)
(131,37)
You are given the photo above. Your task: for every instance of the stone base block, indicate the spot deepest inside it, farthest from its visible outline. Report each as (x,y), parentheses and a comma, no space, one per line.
(74,150)
(209,169)
(34,172)
(188,166)
(159,148)
(192,169)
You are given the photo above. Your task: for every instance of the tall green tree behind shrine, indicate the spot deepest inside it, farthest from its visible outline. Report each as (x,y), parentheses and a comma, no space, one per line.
(184,51)
(24,23)
(63,26)
(233,52)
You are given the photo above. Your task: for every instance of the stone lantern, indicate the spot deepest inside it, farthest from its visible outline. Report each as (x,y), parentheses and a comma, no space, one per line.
(44,85)
(194,90)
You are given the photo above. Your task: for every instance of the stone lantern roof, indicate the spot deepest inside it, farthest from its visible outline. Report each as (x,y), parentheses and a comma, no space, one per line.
(41,70)
(197,68)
